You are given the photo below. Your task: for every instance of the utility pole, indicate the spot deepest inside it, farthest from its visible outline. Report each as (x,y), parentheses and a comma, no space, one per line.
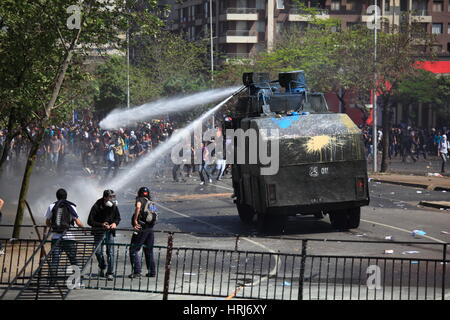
(374,105)
(211,39)
(128,68)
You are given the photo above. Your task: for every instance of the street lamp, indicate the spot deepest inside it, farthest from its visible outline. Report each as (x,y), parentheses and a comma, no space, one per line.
(374,105)
(211,39)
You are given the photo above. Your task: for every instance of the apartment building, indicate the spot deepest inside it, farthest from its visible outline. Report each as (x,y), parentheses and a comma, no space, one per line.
(242,28)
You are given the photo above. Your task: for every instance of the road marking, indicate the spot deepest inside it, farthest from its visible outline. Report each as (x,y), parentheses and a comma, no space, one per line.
(403,230)
(196,196)
(277,258)
(219,186)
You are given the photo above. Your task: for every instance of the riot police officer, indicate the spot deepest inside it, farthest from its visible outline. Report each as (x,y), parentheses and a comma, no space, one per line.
(143,221)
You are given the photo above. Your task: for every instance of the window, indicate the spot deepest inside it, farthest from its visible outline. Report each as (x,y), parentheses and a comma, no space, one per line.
(437,28)
(261,26)
(387,5)
(448,28)
(448,47)
(351,5)
(335,5)
(280,4)
(438,6)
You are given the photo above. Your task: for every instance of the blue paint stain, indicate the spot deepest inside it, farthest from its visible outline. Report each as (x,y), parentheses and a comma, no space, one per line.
(286,122)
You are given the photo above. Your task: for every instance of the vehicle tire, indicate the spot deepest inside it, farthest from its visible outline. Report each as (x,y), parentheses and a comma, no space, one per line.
(338,220)
(246,213)
(353,217)
(346,219)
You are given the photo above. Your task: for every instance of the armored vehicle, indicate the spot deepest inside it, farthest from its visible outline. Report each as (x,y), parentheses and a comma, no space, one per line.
(322,167)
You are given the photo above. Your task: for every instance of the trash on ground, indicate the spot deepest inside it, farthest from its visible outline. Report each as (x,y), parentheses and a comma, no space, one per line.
(388,238)
(392,192)
(410,252)
(418,191)
(418,233)
(445,232)
(361,235)
(444,190)
(434,174)
(189,274)
(388,251)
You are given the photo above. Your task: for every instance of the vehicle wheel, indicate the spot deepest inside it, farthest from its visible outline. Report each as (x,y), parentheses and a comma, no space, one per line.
(346,219)
(353,217)
(338,220)
(246,213)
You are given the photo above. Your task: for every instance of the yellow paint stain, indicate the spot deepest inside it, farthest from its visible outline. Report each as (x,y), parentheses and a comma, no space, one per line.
(348,123)
(318,143)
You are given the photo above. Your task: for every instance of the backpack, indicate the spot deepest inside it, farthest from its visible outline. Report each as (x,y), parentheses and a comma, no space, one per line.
(61,217)
(147,216)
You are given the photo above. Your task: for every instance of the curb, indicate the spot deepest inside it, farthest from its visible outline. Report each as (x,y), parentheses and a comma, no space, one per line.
(414,185)
(435,204)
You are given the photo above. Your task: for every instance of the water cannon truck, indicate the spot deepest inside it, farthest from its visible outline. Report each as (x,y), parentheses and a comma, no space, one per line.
(322,167)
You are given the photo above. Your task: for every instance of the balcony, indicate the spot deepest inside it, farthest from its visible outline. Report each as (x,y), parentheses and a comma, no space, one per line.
(240,14)
(296,15)
(239,36)
(421,15)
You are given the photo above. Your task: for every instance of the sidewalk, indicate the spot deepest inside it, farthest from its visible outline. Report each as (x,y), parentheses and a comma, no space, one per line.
(421,174)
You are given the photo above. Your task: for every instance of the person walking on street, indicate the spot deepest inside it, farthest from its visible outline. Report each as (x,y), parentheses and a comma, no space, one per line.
(443,151)
(143,221)
(60,216)
(54,150)
(104,218)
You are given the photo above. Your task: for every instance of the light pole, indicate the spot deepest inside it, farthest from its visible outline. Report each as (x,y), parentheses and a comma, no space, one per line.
(374,105)
(128,68)
(211,39)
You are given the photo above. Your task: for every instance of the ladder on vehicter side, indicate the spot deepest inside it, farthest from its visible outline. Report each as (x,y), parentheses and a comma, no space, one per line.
(51,280)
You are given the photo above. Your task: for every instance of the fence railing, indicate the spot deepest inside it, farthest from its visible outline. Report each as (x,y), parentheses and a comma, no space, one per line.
(247,274)
(242,10)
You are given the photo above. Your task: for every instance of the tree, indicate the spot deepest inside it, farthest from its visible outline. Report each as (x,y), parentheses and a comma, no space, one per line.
(38,43)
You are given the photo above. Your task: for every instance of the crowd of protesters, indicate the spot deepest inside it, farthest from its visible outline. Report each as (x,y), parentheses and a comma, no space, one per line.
(96,148)
(406,143)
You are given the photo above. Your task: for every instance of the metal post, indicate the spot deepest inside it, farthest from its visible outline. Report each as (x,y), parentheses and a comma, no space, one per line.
(211,39)
(302,270)
(128,69)
(374,105)
(236,246)
(168,263)
(444,266)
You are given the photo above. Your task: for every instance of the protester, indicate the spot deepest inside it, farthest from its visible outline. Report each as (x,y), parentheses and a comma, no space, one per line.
(60,216)
(104,218)
(143,221)
(443,151)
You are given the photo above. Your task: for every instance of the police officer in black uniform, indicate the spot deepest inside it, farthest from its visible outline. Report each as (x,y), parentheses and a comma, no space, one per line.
(143,221)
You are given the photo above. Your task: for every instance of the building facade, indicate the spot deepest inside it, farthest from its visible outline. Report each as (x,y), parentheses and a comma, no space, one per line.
(242,28)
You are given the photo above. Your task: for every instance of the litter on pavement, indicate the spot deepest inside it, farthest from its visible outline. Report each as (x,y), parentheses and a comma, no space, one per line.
(445,232)
(418,191)
(388,238)
(388,251)
(418,233)
(410,252)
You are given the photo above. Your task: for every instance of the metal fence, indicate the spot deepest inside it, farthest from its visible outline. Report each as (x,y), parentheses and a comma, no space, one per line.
(267,275)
